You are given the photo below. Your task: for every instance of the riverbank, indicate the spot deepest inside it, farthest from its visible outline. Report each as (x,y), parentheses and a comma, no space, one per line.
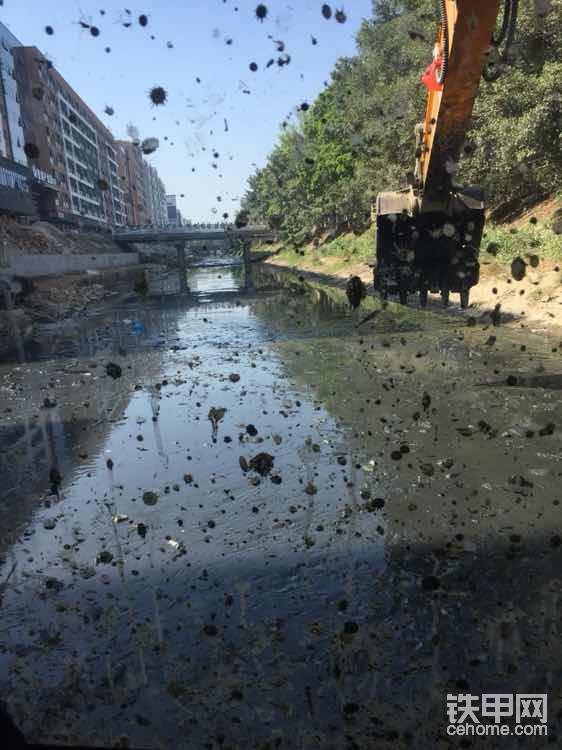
(50,300)
(535,302)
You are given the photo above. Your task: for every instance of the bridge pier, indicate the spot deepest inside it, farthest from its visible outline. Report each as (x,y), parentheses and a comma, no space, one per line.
(182,267)
(248,276)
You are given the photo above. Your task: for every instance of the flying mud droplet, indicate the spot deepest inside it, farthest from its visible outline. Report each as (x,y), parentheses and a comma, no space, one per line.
(356,291)
(31,151)
(261,12)
(414,35)
(242,220)
(518,269)
(158,95)
(149,145)
(534,261)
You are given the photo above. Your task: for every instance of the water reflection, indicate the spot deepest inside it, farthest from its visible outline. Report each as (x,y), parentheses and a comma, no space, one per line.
(379,565)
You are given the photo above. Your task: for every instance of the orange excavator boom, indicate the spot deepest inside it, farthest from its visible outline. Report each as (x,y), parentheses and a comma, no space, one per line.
(429,234)
(465,41)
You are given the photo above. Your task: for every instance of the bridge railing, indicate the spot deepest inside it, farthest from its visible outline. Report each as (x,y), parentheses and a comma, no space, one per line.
(192,233)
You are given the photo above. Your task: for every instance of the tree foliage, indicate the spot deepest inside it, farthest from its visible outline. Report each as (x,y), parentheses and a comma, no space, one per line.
(357,137)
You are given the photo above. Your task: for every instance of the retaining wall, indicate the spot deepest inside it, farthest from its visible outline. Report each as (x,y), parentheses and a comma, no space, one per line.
(58,265)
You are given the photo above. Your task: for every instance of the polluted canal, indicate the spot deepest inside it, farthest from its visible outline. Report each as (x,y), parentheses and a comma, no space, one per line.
(262,526)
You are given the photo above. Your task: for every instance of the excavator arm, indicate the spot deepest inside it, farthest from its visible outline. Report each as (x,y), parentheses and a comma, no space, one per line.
(465,45)
(429,234)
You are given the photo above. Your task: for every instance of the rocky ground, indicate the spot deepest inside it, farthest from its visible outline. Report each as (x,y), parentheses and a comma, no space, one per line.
(43,238)
(52,300)
(73,294)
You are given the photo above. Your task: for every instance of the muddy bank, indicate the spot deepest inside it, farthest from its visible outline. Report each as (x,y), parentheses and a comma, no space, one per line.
(534,302)
(50,300)
(176,588)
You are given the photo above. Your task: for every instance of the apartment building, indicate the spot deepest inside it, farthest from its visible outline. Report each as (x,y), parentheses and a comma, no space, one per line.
(157,197)
(75,161)
(174,214)
(136,183)
(15,191)
(58,161)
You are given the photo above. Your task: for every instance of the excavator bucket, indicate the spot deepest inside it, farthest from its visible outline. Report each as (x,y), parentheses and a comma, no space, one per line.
(429,234)
(435,251)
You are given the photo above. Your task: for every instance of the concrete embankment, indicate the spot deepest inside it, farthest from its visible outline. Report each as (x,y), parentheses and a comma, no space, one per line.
(49,273)
(34,266)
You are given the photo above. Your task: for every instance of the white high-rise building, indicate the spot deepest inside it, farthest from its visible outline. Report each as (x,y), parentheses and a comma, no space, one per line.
(156,193)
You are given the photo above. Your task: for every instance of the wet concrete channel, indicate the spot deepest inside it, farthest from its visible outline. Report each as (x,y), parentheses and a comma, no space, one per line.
(405,543)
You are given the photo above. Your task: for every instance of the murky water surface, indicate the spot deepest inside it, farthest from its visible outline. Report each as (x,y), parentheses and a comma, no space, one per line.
(404,544)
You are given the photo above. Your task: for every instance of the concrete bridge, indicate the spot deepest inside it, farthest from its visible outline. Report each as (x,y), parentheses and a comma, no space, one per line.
(180,237)
(186,234)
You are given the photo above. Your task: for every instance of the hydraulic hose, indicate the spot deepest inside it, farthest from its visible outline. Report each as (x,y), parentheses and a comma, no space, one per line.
(442,74)
(512,26)
(506,35)
(499,40)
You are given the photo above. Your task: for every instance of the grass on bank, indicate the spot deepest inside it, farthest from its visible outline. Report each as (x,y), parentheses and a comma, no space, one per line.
(507,243)
(347,249)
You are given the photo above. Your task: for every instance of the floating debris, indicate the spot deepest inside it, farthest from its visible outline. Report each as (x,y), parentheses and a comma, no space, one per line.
(215,416)
(113,370)
(150,497)
(104,557)
(262,463)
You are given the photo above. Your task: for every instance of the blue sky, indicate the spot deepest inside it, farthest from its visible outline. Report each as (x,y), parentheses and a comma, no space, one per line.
(198,31)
